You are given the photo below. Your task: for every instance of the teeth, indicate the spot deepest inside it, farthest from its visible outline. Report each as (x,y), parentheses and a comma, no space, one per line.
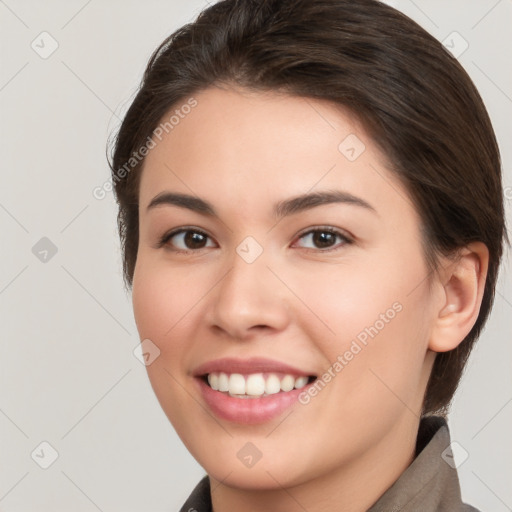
(236,384)
(272,384)
(213,380)
(223,382)
(254,385)
(301,382)
(288,383)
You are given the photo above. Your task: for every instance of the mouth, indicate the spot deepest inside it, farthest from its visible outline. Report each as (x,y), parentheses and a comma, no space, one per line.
(255,385)
(251,391)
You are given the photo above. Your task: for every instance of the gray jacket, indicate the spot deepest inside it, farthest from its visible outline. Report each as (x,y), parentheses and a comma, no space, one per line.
(429,484)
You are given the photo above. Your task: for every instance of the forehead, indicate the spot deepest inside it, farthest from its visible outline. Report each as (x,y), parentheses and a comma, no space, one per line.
(254,148)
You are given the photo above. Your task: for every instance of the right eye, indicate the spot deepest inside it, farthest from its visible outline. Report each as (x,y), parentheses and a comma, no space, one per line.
(191,240)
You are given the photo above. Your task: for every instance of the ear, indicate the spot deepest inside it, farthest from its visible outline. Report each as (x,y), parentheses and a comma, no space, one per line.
(463,282)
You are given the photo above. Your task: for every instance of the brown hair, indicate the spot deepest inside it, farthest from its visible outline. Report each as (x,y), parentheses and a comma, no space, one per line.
(414,99)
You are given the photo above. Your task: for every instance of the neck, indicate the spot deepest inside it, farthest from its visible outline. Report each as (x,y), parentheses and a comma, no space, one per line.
(352,487)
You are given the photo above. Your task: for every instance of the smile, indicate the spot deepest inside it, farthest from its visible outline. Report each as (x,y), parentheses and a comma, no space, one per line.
(250,391)
(255,385)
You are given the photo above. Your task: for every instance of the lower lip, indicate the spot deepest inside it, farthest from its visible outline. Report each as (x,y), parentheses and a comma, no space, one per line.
(248,411)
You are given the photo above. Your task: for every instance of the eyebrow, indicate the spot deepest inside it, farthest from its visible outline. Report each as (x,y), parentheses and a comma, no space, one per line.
(281,209)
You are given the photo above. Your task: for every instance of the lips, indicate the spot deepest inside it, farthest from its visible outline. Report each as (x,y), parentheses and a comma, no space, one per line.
(250,391)
(231,365)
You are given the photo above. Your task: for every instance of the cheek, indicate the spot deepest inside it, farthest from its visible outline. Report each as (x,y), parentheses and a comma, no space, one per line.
(351,297)
(160,311)
(163,302)
(378,323)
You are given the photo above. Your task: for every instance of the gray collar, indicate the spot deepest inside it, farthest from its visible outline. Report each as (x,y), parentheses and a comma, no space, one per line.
(430,483)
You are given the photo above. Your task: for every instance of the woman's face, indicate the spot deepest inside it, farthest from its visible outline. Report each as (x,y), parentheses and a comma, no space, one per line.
(335,289)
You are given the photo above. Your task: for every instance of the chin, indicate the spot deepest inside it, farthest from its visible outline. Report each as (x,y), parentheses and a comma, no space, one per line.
(274,472)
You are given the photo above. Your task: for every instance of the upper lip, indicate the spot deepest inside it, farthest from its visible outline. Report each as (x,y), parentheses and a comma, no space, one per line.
(246,366)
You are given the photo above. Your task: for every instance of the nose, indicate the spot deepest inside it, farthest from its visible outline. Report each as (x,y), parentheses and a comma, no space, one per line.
(249,299)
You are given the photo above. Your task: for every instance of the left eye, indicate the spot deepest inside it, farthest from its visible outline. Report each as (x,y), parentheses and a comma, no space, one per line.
(324,238)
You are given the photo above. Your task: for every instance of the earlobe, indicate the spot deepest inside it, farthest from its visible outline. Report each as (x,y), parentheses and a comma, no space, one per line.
(463,288)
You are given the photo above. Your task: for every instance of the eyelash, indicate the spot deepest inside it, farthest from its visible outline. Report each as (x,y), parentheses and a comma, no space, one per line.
(168,236)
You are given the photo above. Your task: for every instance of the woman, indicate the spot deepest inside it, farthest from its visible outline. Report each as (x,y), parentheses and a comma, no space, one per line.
(311,216)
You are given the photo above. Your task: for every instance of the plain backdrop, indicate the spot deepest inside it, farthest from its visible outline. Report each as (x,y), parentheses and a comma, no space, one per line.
(73,395)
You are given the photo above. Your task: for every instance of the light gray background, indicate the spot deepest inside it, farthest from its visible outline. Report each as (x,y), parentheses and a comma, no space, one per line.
(68,373)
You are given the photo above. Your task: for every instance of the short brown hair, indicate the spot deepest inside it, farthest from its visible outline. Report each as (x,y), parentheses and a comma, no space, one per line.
(415,100)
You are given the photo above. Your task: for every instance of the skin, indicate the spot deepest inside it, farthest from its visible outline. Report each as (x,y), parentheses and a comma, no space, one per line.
(242,152)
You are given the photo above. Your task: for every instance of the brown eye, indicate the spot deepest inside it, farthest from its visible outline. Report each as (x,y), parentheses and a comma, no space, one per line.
(194,240)
(185,240)
(325,238)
